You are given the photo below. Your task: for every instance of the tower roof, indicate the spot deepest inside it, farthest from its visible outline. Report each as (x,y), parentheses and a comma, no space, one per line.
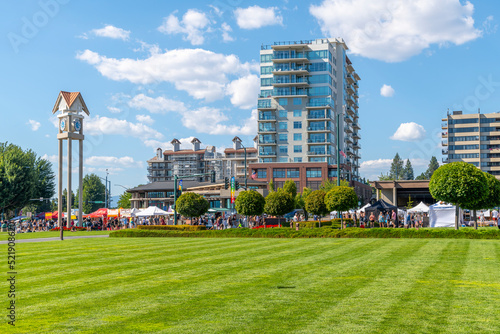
(66,100)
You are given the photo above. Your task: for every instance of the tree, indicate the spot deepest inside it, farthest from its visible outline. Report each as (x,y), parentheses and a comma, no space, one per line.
(385,177)
(278,203)
(433,166)
(290,187)
(45,184)
(409,205)
(408,171)
(341,199)
(396,172)
(271,186)
(315,203)
(93,191)
(250,203)
(327,184)
(192,205)
(305,193)
(65,200)
(492,198)
(421,177)
(124,200)
(459,183)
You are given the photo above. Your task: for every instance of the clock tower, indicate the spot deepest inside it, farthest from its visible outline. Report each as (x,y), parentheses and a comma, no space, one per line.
(71,109)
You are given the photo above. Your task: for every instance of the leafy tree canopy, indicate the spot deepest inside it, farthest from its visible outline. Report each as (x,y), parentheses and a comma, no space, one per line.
(124,200)
(341,199)
(315,203)
(192,205)
(278,203)
(328,184)
(290,187)
(250,203)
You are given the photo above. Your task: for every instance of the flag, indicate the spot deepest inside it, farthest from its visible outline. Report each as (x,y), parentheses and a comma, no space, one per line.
(342,153)
(254,175)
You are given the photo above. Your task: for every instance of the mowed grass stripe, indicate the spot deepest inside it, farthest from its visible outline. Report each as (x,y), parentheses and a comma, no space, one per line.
(425,307)
(180,299)
(334,286)
(271,300)
(477,291)
(141,275)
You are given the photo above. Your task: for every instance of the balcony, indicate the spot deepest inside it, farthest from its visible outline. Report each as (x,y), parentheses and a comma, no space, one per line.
(267,104)
(444,142)
(318,128)
(326,103)
(267,154)
(444,134)
(444,125)
(444,151)
(277,70)
(445,160)
(284,58)
(297,93)
(348,139)
(318,141)
(350,78)
(316,153)
(348,129)
(350,90)
(356,145)
(348,119)
(267,142)
(267,118)
(319,116)
(280,81)
(350,111)
(267,129)
(355,126)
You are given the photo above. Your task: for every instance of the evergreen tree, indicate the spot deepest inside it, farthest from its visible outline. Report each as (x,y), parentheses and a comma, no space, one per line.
(408,171)
(421,177)
(433,165)
(396,172)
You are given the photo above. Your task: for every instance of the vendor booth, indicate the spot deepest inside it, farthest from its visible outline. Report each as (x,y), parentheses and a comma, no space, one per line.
(443,215)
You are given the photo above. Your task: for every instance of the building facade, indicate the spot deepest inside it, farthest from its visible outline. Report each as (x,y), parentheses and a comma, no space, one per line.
(309,89)
(472,138)
(183,162)
(234,158)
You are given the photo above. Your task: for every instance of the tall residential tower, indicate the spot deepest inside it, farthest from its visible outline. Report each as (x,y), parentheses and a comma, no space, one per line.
(305,85)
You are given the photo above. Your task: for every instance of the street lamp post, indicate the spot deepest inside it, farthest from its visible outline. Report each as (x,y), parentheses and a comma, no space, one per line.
(246,172)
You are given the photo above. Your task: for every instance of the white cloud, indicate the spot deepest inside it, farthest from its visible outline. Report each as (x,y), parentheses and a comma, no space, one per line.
(394,30)
(185,143)
(226,29)
(193,25)
(202,74)
(146,119)
(387,91)
(255,17)
(34,125)
(126,162)
(112,32)
(371,169)
(112,126)
(114,110)
(409,132)
(243,91)
(158,105)
(208,120)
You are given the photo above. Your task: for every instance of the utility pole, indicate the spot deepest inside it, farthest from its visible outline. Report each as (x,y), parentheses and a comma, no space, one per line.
(175,199)
(106,192)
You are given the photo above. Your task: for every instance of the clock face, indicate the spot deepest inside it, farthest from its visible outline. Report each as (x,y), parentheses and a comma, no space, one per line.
(63,125)
(78,125)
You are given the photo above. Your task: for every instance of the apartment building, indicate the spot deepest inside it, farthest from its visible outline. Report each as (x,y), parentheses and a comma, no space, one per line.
(472,138)
(234,158)
(309,89)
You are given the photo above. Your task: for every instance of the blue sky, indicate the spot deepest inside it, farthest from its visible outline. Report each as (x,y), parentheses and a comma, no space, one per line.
(157,70)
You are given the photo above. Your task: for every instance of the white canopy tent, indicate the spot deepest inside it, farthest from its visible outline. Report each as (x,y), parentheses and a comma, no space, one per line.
(152,211)
(421,207)
(363,208)
(443,215)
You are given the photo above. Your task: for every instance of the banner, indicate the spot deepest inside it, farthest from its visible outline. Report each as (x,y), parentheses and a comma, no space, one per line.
(233,188)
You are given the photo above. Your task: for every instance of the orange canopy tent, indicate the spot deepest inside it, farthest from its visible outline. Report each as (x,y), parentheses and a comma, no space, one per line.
(102,212)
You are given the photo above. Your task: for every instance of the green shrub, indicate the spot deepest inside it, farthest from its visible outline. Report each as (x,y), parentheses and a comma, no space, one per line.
(323,232)
(172,227)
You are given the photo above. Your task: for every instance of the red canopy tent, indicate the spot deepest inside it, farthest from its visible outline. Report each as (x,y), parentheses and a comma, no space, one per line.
(102,212)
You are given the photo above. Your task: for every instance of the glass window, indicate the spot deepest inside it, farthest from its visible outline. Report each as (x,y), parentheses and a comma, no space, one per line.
(313,172)
(282,137)
(297,149)
(279,172)
(293,172)
(266,82)
(297,125)
(283,149)
(297,159)
(297,136)
(332,172)
(283,159)
(297,113)
(266,58)
(266,160)
(262,173)
(282,125)
(283,101)
(297,101)
(282,113)
(266,69)
(313,185)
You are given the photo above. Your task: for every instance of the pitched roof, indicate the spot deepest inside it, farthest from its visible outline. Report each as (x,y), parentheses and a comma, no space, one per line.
(70,98)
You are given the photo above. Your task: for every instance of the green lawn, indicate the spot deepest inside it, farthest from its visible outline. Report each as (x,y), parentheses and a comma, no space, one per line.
(198,285)
(49,234)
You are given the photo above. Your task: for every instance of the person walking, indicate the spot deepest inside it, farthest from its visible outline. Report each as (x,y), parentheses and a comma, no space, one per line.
(394,218)
(372,220)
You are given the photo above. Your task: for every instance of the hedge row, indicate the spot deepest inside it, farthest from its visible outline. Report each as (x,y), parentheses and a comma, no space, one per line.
(172,227)
(323,232)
